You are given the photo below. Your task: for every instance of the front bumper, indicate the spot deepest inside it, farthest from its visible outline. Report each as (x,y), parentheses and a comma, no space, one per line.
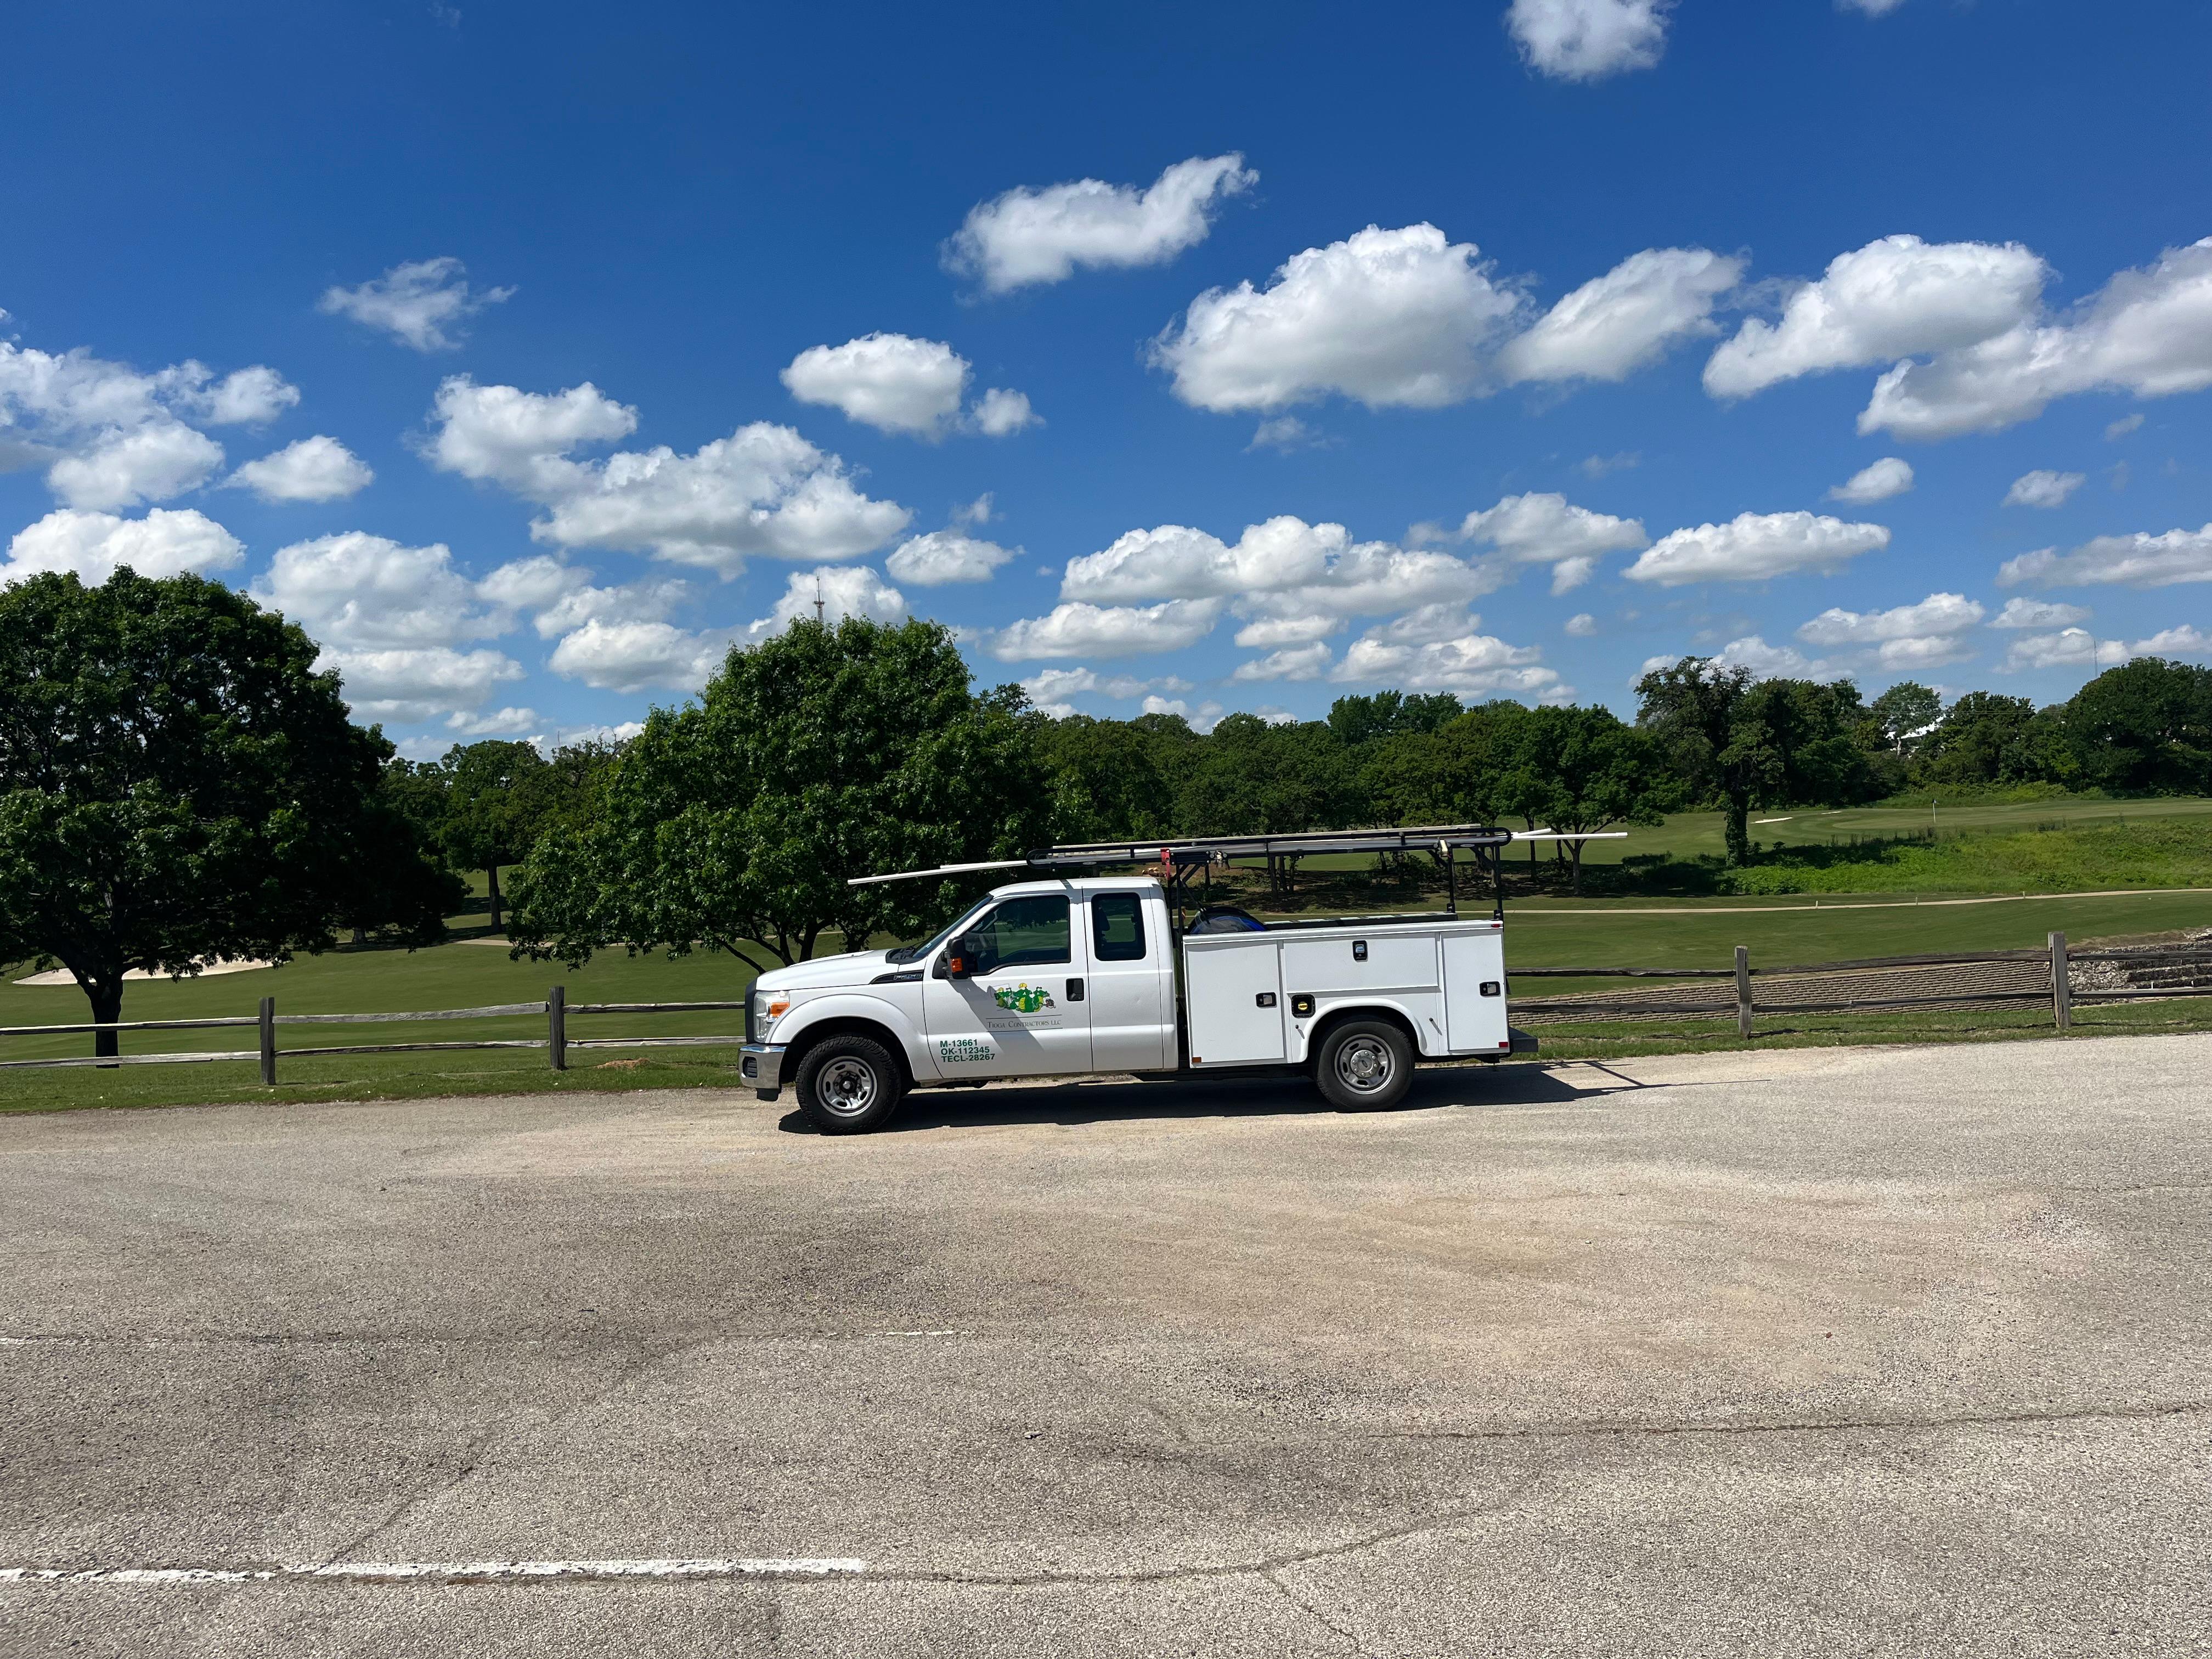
(761,1064)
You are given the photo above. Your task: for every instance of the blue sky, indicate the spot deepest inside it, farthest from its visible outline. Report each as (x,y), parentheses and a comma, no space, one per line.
(524,355)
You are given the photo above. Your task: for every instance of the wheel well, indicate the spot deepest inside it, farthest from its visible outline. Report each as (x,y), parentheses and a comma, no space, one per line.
(846,1025)
(1336,1017)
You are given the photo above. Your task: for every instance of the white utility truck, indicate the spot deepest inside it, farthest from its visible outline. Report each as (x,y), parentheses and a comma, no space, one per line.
(1080,973)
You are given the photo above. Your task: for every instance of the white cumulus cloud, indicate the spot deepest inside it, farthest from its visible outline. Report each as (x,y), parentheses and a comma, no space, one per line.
(356,589)
(1077,629)
(1270,631)
(123,467)
(1546,529)
(2147,331)
(422,303)
(1626,319)
(1475,665)
(1887,477)
(1889,300)
(1911,637)
(639,656)
(1588,40)
(1028,236)
(1049,688)
(946,556)
(2141,559)
(167,542)
(2021,613)
(764,491)
(411,684)
(1299,662)
(892,382)
(1754,546)
(316,469)
(1391,318)
(1000,413)
(2043,488)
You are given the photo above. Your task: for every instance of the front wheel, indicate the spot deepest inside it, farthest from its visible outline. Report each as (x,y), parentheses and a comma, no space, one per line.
(1365,1065)
(849,1086)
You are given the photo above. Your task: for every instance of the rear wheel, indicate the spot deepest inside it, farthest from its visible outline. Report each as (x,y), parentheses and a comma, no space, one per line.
(849,1085)
(1365,1065)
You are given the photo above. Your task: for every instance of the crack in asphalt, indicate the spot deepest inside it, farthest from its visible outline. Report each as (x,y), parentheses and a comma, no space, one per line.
(1275,1578)
(473,1453)
(1808,1425)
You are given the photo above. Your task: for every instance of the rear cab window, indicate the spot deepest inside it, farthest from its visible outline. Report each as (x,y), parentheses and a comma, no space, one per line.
(1117,928)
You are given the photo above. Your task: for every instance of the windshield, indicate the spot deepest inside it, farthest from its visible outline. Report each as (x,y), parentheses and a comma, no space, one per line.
(914,952)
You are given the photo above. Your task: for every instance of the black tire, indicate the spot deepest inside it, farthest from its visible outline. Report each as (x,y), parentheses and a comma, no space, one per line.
(849,1086)
(1365,1066)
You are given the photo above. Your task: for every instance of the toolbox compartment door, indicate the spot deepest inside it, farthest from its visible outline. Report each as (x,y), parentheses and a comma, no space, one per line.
(1233,991)
(1475,1024)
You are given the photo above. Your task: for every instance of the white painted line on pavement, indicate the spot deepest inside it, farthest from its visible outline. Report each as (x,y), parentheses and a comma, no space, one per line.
(389,1572)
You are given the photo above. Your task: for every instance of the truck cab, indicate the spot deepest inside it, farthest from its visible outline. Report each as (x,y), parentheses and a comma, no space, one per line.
(1092,974)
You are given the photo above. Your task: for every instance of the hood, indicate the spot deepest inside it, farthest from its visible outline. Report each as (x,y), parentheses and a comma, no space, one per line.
(822,973)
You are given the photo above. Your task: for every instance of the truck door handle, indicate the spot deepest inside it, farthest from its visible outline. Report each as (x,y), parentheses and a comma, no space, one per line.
(1075,990)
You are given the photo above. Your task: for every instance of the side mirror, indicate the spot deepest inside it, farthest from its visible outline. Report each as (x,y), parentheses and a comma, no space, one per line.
(966,954)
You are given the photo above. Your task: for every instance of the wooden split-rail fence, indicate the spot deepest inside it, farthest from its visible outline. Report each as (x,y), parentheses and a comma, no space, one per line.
(1960,980)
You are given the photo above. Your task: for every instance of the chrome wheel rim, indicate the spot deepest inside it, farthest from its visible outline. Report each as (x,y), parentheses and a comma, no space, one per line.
(1365,1063)
(846,1086)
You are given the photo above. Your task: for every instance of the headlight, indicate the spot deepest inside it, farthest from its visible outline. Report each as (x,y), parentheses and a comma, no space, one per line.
(769,1006)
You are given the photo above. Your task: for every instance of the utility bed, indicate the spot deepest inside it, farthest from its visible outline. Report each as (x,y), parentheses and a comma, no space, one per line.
(1252,997)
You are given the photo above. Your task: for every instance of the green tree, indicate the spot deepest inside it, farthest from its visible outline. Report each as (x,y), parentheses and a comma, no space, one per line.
(1358,720)
(2145,725)
(1985,739)
(821,754)
(1906,707)
(177,784)
(1252,778)
(1742,742)
(497,800)
(406,890)
(1109,779)
(1579,771)
(1690,710)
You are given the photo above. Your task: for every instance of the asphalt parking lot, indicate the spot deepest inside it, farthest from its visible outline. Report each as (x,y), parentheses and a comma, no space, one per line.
(1821,1352)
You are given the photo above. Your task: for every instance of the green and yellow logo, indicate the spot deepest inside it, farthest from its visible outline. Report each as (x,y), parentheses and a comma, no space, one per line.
(1022,999)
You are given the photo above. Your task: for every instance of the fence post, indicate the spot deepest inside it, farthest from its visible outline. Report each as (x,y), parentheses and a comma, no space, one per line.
(2061,985)
(1742,991)
(268,1041)
(556,1026)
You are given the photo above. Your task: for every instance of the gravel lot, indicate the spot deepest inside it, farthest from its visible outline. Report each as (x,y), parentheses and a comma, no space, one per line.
(1819,1351)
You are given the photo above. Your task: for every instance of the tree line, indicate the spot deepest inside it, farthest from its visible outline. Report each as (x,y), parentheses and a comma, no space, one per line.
(178,784)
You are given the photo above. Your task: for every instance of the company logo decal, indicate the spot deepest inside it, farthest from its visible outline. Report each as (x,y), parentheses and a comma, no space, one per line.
(954,1051)
(1022,999)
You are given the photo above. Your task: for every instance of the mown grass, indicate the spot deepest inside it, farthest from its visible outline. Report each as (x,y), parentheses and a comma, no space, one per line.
(2155,854)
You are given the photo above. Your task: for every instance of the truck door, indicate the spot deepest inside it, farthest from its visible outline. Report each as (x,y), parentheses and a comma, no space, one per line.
(1024,1011)
(1128,992)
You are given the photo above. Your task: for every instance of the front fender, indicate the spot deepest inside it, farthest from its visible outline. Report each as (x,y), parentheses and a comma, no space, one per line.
(858,1004)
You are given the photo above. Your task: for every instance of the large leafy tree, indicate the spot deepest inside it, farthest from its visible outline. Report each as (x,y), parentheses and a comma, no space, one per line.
(1579,771)
(1255,778)
(821,754)
(176,783)
(498,797)
(1742,742)
(1112,778)
(2145,725)
(1357,719)
(1690,710)
(1907,708)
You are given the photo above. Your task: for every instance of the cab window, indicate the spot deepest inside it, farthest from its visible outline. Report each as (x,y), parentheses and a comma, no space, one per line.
(1029,932)
(1117,928)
